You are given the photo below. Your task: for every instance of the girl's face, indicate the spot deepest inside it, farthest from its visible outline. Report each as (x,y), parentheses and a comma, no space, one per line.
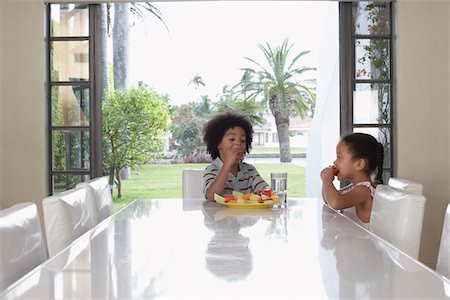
(344,162)
(233,141)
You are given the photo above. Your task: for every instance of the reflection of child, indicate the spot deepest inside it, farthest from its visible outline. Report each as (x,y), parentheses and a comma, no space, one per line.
(359,260)
(358,156)
(228,254)
(228,137)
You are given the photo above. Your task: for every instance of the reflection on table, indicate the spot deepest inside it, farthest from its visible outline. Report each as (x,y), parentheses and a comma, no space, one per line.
(189,248)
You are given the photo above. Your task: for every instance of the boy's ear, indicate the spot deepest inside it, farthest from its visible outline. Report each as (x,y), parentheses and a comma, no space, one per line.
(360,164)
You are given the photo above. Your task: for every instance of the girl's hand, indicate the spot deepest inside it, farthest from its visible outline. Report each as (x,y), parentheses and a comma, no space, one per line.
(328,173)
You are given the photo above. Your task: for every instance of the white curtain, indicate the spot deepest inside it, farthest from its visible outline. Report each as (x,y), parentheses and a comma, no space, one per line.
(324,135)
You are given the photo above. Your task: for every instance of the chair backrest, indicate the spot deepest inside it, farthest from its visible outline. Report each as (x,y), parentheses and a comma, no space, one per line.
(406,185)
(21,243)
(397,217)
(443,262)
(99,198)
(192,183)
(66,217)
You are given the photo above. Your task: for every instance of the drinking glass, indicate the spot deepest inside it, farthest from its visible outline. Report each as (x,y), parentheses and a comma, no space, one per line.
(278,184)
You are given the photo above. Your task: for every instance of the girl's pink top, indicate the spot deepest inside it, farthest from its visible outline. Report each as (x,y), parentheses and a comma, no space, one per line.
(351,211)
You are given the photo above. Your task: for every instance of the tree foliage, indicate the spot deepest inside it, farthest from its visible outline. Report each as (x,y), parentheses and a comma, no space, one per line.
(187,128)
(187,132)
(232,101)
(135,122)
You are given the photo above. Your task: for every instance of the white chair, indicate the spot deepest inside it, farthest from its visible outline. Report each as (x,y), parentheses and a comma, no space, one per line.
(397,217)
(22,247)
(193,184)
(443,262)
(406,185)
(66,217)
(99,198)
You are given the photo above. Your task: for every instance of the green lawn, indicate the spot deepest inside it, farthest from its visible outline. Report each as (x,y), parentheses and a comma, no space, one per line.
(276,150)
(164,181)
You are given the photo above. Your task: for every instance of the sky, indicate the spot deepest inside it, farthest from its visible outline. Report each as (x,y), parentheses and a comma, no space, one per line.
(212,38)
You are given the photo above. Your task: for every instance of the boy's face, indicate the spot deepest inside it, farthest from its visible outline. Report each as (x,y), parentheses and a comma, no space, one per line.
(233,144)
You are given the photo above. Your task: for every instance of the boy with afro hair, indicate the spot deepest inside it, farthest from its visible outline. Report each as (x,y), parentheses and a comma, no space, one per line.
(228,137)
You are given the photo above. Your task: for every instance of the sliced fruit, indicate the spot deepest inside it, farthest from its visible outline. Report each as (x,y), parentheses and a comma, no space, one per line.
(247,196)
(237,194)
(264,197)
(254,197)
(228,198)
(267,192)
(335,171)
(219,199)
(276,199)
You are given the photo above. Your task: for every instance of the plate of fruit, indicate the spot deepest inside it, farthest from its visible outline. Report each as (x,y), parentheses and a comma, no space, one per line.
(238,200)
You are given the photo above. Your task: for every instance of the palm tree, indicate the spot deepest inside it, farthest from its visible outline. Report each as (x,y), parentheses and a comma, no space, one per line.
(120,37)
(281,88)
(121,44)
(203,109)
(197,81)
(230,101)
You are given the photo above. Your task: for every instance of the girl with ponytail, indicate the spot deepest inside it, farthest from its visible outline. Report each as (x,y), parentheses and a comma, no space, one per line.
(358,157)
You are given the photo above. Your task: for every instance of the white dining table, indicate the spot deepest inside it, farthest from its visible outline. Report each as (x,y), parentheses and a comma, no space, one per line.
(190,248)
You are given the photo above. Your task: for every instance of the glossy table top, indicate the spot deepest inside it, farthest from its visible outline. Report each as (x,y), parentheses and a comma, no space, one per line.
(187,248)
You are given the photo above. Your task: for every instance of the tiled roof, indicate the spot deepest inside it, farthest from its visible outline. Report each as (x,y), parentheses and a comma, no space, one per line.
(299,123)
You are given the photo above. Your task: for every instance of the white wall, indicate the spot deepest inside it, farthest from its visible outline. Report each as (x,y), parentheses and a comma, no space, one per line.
(1,102)
(23,118)
(422,109)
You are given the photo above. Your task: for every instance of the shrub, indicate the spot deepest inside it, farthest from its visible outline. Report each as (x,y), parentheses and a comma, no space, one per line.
(135,122)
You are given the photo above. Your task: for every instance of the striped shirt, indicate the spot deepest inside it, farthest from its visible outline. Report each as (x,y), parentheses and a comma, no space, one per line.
(247,180)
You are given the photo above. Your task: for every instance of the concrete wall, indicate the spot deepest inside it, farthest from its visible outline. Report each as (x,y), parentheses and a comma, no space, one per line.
(23,113)
(422,113)
(422,109)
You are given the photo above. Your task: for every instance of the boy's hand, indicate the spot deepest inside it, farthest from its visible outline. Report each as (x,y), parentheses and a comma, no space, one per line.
(232,155)
(328,173)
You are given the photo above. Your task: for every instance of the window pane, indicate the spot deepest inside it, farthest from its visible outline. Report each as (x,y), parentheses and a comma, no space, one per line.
(70,105)
(69,20)
(383,135)
(371,18)
(70,60)
(372,59)
(64,182)
(70,150)
(371,103)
